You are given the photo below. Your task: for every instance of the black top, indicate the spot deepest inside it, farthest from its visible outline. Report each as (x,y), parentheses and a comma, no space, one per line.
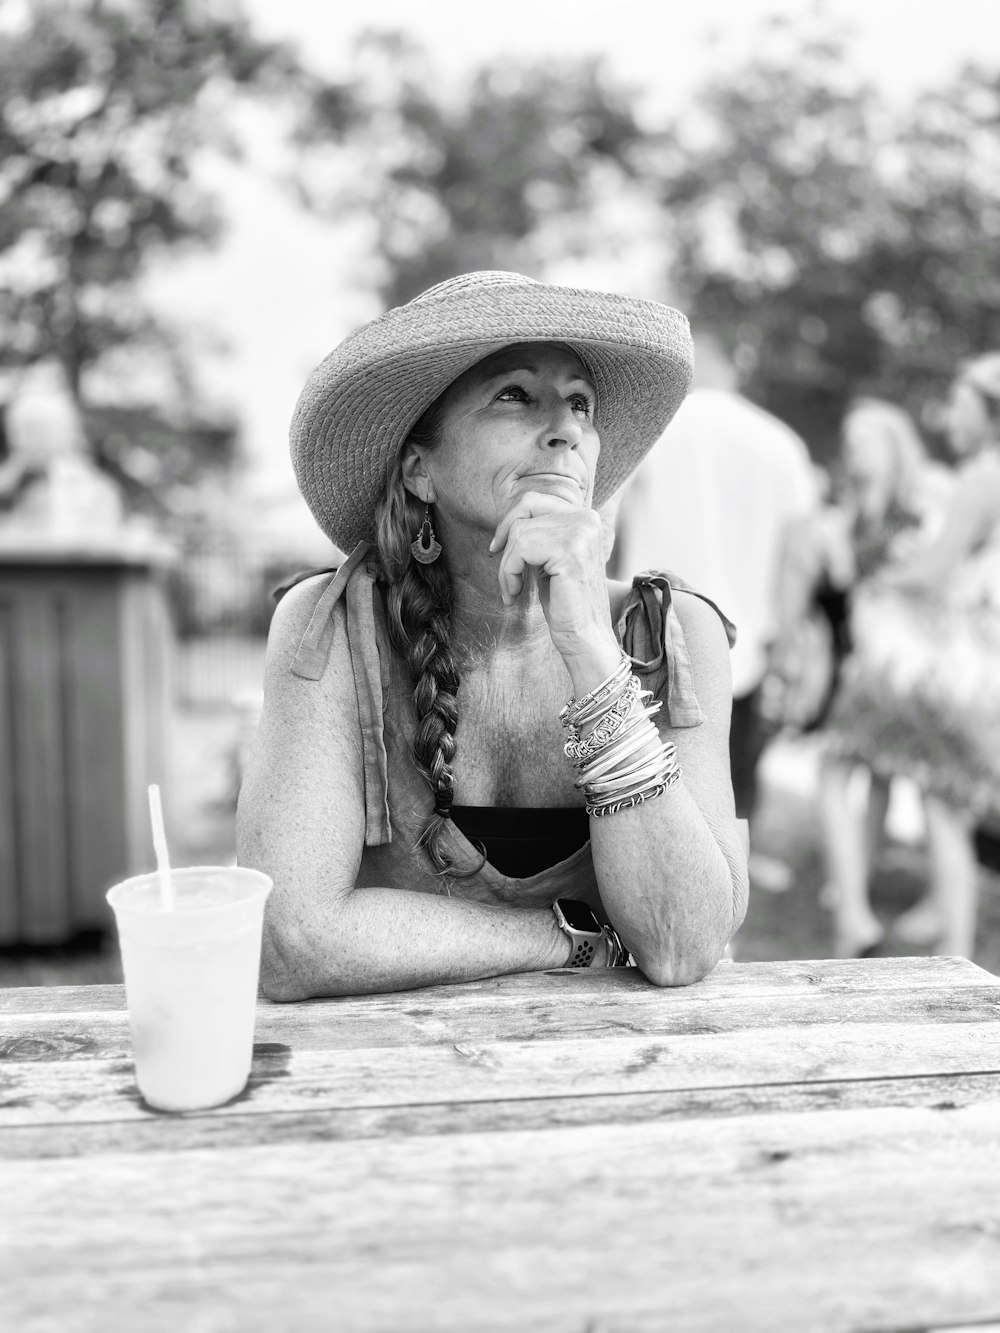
(522,841)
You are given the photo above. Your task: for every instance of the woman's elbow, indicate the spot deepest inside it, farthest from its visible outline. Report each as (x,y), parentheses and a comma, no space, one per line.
(678,961)
(683,970)
(284,973)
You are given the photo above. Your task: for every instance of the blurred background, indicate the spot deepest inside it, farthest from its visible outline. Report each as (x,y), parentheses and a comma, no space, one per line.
(199,198)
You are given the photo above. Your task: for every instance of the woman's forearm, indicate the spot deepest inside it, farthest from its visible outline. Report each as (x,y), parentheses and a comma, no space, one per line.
(383,939)
(668,888)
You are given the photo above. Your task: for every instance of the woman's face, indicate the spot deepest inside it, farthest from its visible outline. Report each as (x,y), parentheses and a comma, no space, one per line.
(867,453)
(520,420)
(967,420)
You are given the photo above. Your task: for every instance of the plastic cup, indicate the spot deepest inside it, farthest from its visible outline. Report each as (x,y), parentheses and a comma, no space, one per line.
(191,981)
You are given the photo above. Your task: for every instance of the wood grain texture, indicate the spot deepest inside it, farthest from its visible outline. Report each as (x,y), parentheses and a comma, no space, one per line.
(735,980)
(44,907)
(83,714)
(866,1219)
(290,1080)
(587,1039)
(796,1146)
(551,1016)
(160,1133)
(96,774)
(10,916)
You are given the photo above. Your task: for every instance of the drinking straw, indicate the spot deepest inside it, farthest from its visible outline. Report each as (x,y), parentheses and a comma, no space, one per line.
(160,847)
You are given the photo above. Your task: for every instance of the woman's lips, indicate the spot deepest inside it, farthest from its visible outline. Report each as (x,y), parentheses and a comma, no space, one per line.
(555,478)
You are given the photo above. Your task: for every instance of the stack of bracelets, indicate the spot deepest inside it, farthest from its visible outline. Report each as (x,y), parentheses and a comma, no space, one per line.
(619,758)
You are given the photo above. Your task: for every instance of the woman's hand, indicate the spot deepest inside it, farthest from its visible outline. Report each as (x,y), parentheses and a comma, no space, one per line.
(562,544)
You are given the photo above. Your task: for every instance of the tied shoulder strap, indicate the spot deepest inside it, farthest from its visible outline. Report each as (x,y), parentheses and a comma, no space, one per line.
(314,647)
(356,577)
(650,632)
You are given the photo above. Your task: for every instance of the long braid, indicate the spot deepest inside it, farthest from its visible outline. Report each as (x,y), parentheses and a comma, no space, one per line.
(419,604)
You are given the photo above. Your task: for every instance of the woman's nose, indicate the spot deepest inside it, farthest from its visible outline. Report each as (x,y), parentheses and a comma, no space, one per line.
(563,429)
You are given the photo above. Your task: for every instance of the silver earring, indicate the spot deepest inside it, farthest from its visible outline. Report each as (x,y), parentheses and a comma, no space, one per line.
(426,548)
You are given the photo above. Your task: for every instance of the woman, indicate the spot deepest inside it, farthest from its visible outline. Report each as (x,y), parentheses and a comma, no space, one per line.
(921,695)
(882,504)
(458,772)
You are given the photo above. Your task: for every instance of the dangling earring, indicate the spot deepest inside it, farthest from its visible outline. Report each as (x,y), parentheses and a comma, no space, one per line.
(426,548)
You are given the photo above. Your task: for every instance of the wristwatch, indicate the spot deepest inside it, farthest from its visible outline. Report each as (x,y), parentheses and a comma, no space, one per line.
(583,928)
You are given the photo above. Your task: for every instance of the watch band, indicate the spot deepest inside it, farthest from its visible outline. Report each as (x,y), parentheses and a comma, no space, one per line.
(618,955)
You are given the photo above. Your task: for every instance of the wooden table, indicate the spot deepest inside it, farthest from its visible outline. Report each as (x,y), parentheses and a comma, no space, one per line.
(786,1146)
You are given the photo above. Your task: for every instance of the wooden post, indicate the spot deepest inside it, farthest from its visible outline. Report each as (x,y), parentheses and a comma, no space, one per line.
(85,648)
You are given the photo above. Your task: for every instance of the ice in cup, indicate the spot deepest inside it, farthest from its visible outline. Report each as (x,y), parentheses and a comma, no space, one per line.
(191,981)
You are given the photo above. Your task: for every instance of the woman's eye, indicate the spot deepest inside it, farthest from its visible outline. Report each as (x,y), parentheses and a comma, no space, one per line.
(580,402)
(513,393)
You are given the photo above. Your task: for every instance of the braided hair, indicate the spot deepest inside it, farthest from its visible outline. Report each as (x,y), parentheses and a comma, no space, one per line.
(419,606)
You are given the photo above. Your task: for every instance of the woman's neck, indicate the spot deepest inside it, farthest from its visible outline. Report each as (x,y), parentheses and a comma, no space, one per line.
(481,624)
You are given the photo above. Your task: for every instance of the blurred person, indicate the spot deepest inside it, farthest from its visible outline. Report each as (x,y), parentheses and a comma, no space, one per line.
(872,519)
(476,754)
(715,500)
(921,691)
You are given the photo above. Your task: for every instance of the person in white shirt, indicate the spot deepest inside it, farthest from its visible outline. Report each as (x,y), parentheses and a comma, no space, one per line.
(732,478)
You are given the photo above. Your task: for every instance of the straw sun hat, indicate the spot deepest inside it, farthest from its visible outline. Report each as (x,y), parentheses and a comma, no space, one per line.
(359,405)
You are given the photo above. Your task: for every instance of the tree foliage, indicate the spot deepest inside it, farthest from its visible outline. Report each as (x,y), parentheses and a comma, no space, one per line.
(105,106)
(463,179)
(846,246)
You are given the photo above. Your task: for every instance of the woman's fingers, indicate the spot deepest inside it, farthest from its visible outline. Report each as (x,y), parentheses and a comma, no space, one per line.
(530,505)
(511,574)
(560,542)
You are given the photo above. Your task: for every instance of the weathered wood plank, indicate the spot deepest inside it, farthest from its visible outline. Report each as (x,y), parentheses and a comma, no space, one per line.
(868,1220)
(10,910)
(174,1133)
(60,999)
(292,1080)
(551,1016)
(732,980)
(97,712)
(39,742)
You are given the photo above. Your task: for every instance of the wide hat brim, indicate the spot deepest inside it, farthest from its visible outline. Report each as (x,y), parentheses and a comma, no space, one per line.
(359,405)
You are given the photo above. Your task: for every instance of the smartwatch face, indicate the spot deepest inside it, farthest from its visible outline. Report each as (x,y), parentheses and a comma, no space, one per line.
(578,915)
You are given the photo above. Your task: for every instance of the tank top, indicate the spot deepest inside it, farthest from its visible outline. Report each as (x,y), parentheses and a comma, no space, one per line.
(524,841)
(398,802)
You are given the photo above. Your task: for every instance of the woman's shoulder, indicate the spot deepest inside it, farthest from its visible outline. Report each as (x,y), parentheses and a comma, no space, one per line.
(672,632)
(307,633)
(666,589)
(297,601)
(699,615)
